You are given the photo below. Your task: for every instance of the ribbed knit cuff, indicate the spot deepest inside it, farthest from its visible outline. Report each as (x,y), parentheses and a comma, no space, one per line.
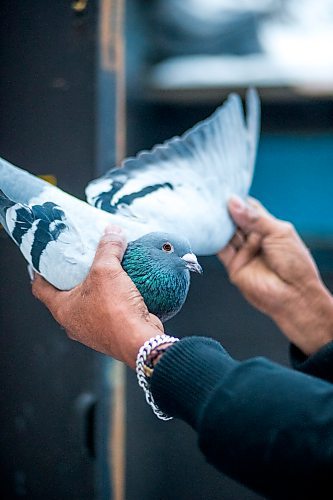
(186,374)
(319,364)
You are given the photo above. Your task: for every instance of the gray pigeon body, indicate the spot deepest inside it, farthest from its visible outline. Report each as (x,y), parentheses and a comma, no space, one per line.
(180,187)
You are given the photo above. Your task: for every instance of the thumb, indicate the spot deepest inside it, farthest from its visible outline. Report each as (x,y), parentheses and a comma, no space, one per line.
(111,247)
(251,216)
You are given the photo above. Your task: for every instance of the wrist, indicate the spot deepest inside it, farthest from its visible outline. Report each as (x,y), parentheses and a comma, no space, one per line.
(138,334)
(307,319)
(156,354)
(148,353)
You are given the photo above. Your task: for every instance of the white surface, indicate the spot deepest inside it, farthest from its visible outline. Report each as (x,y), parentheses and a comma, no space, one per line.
(297,50)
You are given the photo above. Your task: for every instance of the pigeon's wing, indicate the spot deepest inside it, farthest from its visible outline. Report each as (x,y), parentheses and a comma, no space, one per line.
(183,185)
(23,187)
(48,240)
(56,232)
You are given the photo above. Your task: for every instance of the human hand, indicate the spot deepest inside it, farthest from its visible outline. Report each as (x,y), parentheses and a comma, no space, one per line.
(269,263)
(106,311)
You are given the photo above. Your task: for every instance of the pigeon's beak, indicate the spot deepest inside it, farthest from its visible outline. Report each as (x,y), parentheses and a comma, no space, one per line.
(192,263)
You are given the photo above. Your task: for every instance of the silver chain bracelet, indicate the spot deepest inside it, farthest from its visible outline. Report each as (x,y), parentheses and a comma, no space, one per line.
(141,370)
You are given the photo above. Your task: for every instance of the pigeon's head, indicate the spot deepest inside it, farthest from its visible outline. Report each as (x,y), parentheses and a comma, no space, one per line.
(170,251)
(160,265)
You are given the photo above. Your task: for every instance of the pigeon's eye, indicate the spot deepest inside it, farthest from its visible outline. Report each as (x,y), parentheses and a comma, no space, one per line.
(167,247)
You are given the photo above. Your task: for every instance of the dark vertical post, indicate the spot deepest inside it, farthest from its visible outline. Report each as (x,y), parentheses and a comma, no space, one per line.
(110,151)
(62,113)
(111,87)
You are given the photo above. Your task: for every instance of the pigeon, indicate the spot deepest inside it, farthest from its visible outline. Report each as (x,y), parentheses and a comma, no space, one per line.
(158,263)
(170,201)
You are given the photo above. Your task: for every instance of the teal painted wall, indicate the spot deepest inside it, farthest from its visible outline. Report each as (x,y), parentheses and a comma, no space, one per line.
(294,179)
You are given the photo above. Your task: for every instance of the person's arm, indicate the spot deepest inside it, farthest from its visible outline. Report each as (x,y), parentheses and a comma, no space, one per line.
(264,425)
(269,263)
(256,421)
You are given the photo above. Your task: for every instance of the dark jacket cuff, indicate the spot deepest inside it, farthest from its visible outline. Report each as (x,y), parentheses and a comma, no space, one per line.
(186,374)
(319,364)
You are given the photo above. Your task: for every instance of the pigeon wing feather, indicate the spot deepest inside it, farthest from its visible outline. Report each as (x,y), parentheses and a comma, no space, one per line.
(183,185)
(49,241)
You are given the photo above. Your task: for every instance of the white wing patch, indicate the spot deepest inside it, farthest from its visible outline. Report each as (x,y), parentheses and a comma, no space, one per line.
(183,185)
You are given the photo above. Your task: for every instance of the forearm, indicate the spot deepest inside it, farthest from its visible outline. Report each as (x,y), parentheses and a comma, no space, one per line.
(272,430)
(264,425)
(307,318)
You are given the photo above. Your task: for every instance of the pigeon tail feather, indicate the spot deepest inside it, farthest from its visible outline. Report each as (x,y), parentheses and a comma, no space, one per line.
(18,184)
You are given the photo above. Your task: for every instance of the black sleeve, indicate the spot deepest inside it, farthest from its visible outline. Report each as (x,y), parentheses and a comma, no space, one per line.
(319,364)
(264,425)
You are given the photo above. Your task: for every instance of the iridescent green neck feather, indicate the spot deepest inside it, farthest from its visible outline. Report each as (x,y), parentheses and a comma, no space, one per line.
(162,282)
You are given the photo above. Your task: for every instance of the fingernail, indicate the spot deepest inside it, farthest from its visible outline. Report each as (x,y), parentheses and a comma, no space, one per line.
(236,203)
(252,213)
(112,229)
